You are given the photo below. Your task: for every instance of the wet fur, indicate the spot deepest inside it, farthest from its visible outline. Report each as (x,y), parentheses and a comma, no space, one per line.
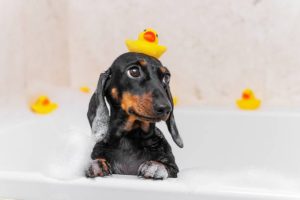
(133,145)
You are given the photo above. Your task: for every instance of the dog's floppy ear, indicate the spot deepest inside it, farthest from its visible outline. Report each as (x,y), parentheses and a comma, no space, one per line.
(98,114)
(171,121)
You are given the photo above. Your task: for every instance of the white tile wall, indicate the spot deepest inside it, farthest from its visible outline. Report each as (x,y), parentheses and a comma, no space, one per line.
(215,48)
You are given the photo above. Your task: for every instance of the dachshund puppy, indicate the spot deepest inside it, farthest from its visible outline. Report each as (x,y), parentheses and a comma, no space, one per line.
(136,88)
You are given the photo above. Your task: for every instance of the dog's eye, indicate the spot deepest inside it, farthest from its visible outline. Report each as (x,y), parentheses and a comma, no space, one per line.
(166,79)
(134,72)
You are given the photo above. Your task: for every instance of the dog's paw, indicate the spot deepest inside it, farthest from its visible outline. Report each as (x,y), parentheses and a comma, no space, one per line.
(98,167)
(153,169)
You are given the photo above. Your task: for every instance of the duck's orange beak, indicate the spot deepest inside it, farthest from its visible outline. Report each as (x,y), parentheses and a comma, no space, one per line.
(149,36)
(46,102)
(246,96)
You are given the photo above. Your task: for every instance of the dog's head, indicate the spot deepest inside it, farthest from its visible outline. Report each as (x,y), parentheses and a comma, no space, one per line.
(139,85)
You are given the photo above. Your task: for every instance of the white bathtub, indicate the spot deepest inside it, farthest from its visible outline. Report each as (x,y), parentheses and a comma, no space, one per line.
(228,154)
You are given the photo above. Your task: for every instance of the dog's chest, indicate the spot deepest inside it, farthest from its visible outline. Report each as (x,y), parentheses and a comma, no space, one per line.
(128,157)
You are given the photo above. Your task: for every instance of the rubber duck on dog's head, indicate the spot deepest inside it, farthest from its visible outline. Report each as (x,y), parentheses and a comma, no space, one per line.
(146,43)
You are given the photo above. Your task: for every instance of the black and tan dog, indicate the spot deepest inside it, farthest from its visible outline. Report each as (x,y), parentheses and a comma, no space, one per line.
(136,87)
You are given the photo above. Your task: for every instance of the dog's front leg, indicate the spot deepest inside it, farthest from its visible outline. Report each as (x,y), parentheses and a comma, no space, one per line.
(162,164)
(98,167)
(153,169)
(100,164)
(158,169)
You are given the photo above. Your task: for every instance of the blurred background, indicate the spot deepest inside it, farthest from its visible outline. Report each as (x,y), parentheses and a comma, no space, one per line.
(215,48)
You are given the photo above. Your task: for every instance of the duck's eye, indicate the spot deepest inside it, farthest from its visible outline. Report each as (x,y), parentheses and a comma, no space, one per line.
(156,35)
(134,72)
(166,78)
(145,30)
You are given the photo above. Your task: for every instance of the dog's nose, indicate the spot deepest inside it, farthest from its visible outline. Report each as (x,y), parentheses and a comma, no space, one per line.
(162,109)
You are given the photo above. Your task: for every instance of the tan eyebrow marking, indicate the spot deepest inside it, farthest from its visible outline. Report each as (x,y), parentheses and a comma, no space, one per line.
(163,69)
(143,62)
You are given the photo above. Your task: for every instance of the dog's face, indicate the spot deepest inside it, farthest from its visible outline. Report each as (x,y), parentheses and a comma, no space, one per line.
(138,86)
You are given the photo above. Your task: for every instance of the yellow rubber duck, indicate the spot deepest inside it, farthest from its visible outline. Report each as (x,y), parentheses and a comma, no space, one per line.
(175,100)
(43,105)
(146,43)
(248,101)
(85,89)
